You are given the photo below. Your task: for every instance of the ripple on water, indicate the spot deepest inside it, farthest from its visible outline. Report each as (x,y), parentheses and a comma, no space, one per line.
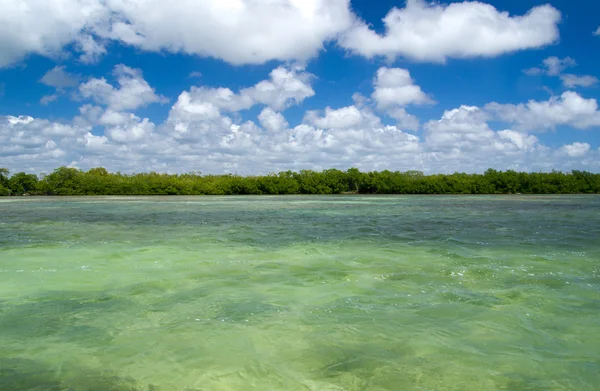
(300,293)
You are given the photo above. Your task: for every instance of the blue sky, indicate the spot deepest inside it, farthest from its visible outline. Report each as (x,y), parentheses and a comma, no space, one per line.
(262,86)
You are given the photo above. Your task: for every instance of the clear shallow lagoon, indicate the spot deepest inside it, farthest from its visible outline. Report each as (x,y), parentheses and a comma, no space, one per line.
(300,293)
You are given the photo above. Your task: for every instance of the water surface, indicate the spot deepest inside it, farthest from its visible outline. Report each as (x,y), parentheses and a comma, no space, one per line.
(300,293)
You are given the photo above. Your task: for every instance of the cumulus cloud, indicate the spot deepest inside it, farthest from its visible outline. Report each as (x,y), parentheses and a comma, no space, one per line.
(89,115)
(258,31)
(395,87)
(466,128)
(272,121)
(597,32)
(569,109)
(404,119)
(463,140)
(59,78)
(285,87)
(44,27)
(572,81)
(554,66)
(350,117)
(192,106)
(199,123)
(459,141)
(576,149)
(128,128)
(47,99)
(436,32)
(239,32)
(91,49)
(133,92)
(36,144)
(204,132)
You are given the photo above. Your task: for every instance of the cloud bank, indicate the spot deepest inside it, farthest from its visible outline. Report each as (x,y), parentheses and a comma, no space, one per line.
(203,132)
(257,31)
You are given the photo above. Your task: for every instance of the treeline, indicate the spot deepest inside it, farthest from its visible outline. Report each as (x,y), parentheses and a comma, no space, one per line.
(98,181)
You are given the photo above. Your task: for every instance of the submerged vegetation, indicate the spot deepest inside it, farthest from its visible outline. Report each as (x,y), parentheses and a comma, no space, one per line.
(98,181)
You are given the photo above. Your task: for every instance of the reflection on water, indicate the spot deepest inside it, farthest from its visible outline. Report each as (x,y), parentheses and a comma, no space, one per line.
(300,293)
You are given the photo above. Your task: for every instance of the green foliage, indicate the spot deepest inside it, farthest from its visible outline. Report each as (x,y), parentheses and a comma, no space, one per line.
(4,190)
(3,176)
(21,183)
(98,181)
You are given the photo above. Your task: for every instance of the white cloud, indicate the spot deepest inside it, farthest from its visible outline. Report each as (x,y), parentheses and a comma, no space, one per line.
(435,32)
(237,31)
(522,141)
(535,71)
(395,87)
(258,31)
(334,137)
(375,148)
(554,66)
(47,99)
(572,81)
(197,123)
(89,115)
(272,121)
(460,141)
(576,149)
(464,128)
(569,109)
(284,88)
(597,32)
(92,49)
(43,27)
(93,143)
(405,120)
(350,117)
(35,144)
(192,106)
(220,98)
(133,91)
(114,118)
(120,127)
(129,128)
(60,79)
(204,132)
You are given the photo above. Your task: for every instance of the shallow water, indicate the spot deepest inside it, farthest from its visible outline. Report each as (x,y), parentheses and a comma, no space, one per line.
(300,293)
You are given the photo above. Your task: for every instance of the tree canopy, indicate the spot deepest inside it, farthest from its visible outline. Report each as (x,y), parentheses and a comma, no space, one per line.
(98,181)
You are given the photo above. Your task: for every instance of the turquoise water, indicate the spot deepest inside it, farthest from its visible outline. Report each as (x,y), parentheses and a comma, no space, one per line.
(300,293)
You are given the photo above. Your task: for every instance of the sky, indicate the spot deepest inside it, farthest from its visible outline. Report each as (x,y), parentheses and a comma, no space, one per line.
(260,86)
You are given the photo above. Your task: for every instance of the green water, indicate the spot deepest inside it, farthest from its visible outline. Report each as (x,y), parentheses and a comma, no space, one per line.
(300,293)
